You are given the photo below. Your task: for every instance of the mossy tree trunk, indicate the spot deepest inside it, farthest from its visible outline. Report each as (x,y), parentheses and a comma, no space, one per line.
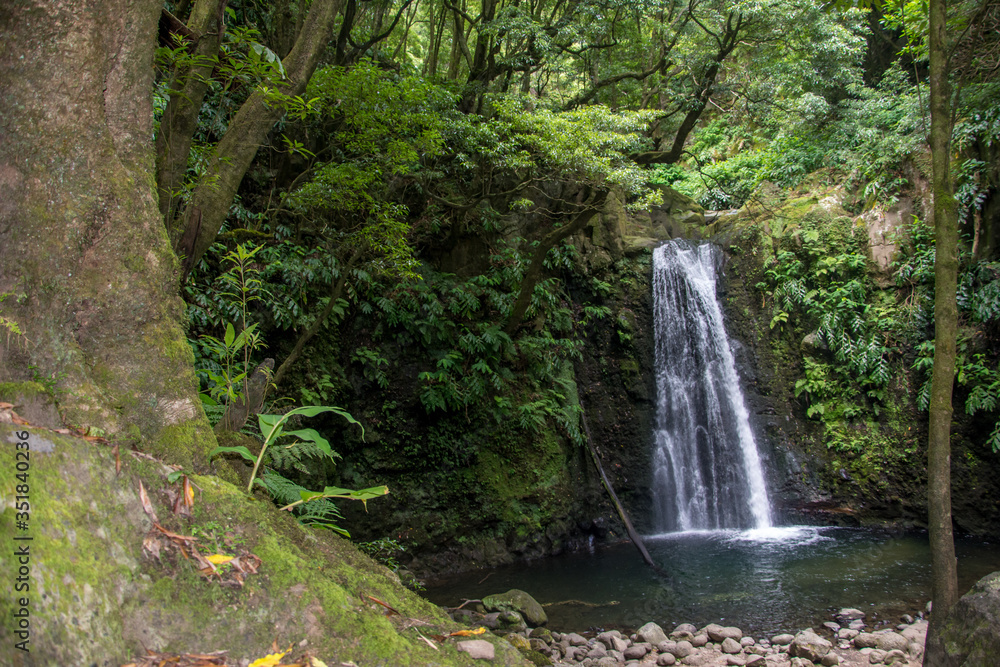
(944,575)
(84,257)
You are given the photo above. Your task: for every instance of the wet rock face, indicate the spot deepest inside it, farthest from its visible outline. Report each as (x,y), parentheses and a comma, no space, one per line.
(971,633)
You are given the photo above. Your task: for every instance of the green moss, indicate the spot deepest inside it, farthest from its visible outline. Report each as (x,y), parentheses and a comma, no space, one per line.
(11,392)
(536,658)
(185,444)
(96,596)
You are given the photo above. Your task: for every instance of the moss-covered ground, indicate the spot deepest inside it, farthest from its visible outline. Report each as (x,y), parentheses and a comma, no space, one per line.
(98,596)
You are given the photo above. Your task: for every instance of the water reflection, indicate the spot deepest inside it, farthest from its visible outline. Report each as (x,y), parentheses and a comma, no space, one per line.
(764,580)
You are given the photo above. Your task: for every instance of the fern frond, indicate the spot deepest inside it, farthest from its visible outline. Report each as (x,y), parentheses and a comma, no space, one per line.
(284,491)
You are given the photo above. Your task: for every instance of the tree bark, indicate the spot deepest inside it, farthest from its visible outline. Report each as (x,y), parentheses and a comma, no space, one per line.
(82,244)
(212,197)
(944,575)
(591,204)
(254,391)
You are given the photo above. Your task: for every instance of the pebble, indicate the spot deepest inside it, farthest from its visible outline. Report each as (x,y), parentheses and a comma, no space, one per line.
(849,614)
(725,646)
(895,657)
(731,646)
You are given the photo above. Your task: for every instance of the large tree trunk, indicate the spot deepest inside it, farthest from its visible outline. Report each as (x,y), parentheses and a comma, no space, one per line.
(203,217)
(83,251)
(944,574)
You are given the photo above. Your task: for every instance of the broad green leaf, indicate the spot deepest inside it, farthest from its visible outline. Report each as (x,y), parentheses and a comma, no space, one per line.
(268,422)
(230,334)
(312,435)
(241,450)
(364,495)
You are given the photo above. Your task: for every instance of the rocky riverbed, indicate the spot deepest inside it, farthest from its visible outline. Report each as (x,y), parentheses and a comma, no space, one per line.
(844,640)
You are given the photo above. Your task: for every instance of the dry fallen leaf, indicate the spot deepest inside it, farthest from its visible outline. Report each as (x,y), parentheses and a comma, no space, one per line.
(147,506)
(8,416)
(174,536)
(152,545)
(383,604)
(429,642)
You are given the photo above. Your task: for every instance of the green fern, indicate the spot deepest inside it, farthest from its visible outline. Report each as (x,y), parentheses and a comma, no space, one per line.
(294,456)
(320,513)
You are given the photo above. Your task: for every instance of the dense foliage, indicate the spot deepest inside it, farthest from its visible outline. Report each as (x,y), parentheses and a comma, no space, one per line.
(393,213)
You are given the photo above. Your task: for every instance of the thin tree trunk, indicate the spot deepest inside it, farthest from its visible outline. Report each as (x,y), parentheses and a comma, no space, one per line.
(592,204)
(728,42)
(944,575)
(622,514)
(459,46)
(254,391)
(180,118)
(212,197)
(337,289)
(437,33)
(481,68)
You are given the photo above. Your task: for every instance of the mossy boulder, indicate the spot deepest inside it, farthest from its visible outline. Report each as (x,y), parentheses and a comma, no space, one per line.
(519,601)
(971,632)
(105,581)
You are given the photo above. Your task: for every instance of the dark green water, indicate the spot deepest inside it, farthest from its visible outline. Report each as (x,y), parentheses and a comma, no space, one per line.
(781,579)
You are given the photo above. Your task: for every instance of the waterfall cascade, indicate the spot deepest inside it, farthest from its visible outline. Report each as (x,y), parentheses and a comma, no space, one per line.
(707,471)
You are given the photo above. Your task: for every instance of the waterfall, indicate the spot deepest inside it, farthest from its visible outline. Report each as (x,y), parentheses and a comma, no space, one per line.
(707,471)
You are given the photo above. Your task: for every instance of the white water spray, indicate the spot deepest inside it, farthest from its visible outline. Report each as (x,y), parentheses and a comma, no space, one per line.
(707,471)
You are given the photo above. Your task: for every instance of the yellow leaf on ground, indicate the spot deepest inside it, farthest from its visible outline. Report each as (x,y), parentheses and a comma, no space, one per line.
(269,660)
(316,662)
(468,633)
(219,559)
